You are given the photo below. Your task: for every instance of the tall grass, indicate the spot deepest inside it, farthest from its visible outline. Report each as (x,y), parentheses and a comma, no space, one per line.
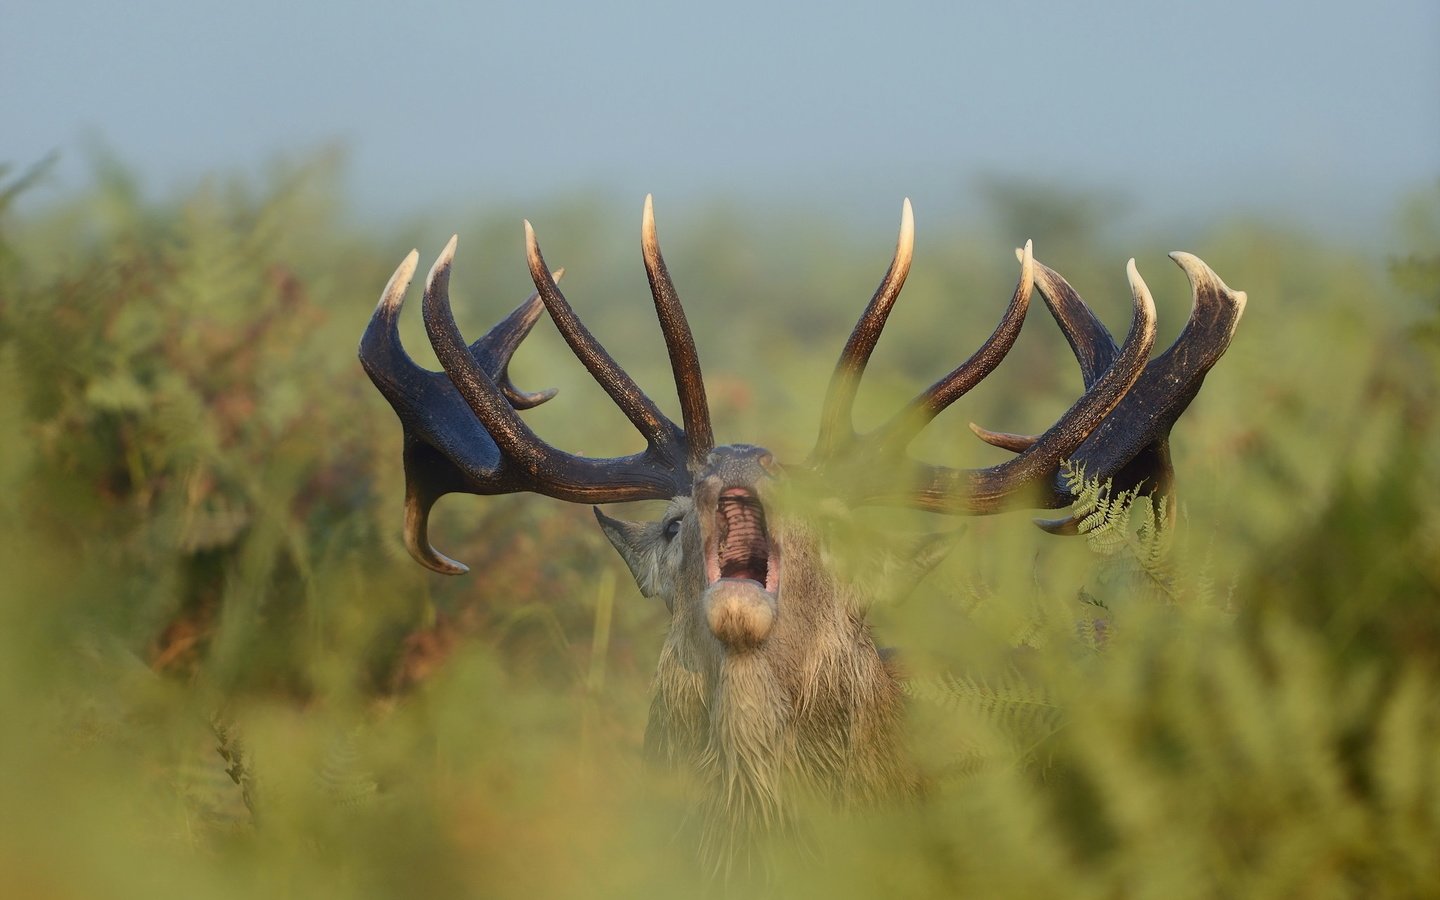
(199,512)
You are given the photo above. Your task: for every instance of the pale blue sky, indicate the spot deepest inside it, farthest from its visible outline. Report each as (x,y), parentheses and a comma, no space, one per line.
(1325,111)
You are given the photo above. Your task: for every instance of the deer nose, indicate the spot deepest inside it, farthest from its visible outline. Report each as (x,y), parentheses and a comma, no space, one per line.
(739,464)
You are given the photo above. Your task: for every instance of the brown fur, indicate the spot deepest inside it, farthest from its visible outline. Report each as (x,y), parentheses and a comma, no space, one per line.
(809,709)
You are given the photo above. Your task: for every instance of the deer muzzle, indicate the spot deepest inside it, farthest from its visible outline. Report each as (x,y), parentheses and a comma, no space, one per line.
(742,571)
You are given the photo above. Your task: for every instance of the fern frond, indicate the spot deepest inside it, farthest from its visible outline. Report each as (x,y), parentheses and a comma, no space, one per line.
(344,776)
(1130,532)
(1015,707)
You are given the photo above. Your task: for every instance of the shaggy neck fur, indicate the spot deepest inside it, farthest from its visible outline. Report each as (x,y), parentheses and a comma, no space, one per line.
(813,711)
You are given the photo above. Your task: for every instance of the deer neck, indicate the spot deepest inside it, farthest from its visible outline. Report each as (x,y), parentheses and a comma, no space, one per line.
(812,709)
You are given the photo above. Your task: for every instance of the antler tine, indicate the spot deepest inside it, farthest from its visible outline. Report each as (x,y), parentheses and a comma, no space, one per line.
(836,426)
(381,354)
(1005,440)
(422,489)
(462,433)
(1088,337)
(979,491)
(1131,447)
(432,414)
(684,359)
(1210,292)
(480,391)
(897,434)
(504,339)
(659,431)
(526,462)
(399,378)
(1089,340)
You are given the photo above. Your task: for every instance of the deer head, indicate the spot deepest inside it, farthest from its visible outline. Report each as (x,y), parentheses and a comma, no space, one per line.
(769,681)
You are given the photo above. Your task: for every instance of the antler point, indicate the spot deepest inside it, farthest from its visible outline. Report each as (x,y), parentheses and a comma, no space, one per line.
(649,240)
(532,254)
(394,293)
(905,245)
(1144,302)
(440,271)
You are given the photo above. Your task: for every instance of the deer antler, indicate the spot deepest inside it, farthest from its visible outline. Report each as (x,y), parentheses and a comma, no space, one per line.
(1132,445)
(1118,429)
(838,441)
(462,433)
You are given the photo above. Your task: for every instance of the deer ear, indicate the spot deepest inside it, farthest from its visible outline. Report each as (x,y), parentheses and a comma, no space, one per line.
(637,543)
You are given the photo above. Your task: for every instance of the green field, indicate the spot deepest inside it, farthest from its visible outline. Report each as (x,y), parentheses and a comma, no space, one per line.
(199,552)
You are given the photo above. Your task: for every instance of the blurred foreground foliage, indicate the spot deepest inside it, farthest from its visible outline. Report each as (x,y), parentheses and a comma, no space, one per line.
(199,512)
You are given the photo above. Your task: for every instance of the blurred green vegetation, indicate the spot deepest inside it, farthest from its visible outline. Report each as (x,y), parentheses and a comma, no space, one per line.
(199,516)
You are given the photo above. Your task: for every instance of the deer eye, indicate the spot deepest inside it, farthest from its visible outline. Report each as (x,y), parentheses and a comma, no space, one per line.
(672,528)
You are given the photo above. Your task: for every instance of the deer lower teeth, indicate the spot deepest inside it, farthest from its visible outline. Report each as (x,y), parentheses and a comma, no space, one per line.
(744,546)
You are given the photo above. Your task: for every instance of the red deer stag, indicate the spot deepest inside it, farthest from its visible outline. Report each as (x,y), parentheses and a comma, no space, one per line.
(769,681)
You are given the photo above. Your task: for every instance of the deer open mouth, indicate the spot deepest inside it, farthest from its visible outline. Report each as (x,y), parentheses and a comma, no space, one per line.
(740,545)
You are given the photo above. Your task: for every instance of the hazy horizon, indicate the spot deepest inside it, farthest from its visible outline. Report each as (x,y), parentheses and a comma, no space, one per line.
(1316,113)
